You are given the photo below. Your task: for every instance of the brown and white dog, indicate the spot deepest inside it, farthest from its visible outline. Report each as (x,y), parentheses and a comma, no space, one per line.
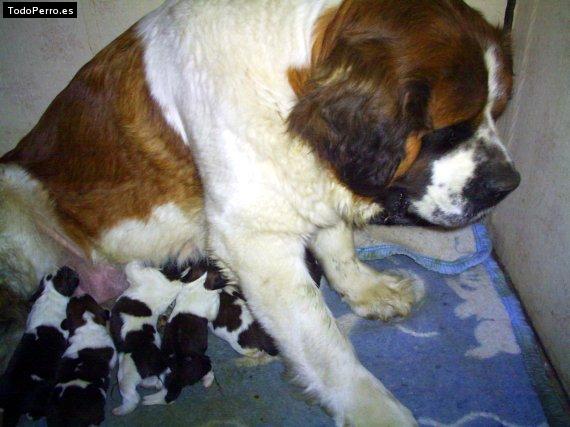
(304,118)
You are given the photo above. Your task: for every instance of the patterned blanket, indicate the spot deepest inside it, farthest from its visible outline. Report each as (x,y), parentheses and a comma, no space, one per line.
(465,357)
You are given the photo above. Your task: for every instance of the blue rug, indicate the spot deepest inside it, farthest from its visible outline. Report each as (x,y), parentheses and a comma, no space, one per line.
(465,357)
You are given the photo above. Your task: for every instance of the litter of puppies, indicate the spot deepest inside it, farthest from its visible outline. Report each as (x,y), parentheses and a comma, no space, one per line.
(27,384)
(62,367)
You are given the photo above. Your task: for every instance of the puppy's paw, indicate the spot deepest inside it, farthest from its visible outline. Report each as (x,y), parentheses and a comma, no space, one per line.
(124,409)
(151,382)
(387,296)
(157,398)
(133,268)
(208,379)
(372,405)
(259,359)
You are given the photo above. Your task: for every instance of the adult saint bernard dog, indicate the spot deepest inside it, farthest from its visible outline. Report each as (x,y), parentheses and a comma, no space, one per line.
(250,129)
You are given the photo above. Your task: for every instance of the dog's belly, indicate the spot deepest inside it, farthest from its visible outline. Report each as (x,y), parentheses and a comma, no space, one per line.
(168,232)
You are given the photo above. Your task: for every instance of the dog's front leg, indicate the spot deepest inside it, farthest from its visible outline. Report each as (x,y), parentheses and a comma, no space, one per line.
(370,293)
(271,270)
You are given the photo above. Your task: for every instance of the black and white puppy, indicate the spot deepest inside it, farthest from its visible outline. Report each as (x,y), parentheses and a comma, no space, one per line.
(185,340)
(83,374)
(133,328)
(235,324)
(233,320)
(26,385)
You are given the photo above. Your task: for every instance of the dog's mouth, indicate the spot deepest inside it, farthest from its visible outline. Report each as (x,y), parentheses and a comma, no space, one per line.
(397,211)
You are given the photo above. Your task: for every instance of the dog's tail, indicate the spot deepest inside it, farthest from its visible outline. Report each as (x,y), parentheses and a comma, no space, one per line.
(26,253)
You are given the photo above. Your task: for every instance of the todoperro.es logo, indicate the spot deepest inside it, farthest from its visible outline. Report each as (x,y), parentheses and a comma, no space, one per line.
(19,9)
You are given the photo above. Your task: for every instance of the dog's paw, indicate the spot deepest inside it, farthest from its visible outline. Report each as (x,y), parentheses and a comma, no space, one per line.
(157,398)
(133,268)
(259,359)
(387,296)
(208,379)
(374,406)
(124,409)
(151,382)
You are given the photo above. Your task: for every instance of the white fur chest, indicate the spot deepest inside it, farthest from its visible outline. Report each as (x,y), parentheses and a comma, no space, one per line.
(228,96)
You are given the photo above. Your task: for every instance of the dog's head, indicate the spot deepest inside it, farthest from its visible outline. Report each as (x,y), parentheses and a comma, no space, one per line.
(82,309)
(185,372)
(65,281)
(400,100)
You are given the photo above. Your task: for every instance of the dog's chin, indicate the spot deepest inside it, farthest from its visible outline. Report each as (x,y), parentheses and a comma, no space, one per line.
(399,210)
(396,211)
(399,218)
(411,219)
(453,221)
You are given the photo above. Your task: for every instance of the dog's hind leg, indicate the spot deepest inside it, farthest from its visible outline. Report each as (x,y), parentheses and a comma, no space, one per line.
(129,379)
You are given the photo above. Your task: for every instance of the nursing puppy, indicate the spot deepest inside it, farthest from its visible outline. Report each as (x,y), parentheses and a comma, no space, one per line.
(235,324)
(83,375)
(228,315)
(133,328)
(28,381)
(185,340)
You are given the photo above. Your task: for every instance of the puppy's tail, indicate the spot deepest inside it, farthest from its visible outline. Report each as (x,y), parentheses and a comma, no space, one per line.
(26,253)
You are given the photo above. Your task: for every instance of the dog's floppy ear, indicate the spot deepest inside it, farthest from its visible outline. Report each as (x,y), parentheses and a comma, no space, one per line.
(356,109)
(360,127)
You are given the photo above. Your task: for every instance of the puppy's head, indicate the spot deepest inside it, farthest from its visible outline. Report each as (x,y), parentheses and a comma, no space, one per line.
(65,281)
(77,406)
(400,101)
(189,370)
(186,272)
(81,310)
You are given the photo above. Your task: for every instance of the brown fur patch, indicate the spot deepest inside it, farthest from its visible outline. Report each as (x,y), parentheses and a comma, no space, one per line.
(103,150)
(375,50)
(412,149)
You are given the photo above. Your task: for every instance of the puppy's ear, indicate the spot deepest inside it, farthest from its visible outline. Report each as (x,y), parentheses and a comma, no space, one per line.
(38,292)
(215,280)
(64,325)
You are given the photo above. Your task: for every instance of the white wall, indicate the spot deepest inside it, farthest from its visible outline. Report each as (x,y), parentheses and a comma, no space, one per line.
(38,57)
(493,10)
(532,227)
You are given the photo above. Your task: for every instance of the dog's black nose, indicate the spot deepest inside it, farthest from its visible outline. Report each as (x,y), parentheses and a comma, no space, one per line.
(504,180)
